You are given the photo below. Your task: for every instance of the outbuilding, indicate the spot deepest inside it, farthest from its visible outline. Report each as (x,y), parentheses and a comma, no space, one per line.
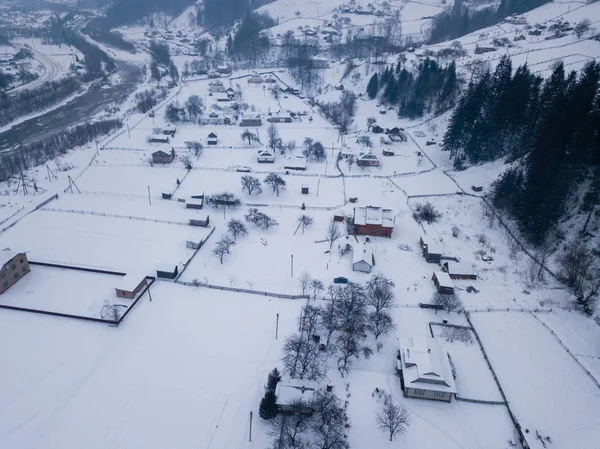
(212,139)
(443,282)
(457,270)
(362,258)
(367,159)
(162,157)
(432,253)
(265,155)
(167,271)
(170,131)
(130,285)
(295,391)
(194,202)
(250,120)
(13,266)
(297,162)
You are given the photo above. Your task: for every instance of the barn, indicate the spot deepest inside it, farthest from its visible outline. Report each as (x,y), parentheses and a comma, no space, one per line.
(374,221)
(443,282)
(162,157)
(458,270)
(362,258)
(212,139)
(167,271)
(130,285)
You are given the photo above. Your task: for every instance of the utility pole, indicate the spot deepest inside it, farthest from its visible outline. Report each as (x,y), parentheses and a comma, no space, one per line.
(292,267)
(277,327)
(149,199)
(250,432)
(128,133)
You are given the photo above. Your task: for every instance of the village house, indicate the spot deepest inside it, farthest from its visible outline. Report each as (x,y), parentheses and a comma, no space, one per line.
(367,159)
(255,79)
(443,282)
(169,131)
(162,157)
(374,221)
(425,369)
(294,391)
(265,155)
(158,138)
(216,86)
(224,69)
(222,97)
(432,253)
(14,267)
(166,271)
(376,129)
(200,220)
(396,134)
(212,139)
(250,120)
(213,119)
(130,285)
(195,202)
(282,117)
(362,258)
(458,270)
(230,93)
(297,162)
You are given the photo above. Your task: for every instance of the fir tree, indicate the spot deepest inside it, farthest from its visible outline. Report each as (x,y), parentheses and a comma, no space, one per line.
(373,86)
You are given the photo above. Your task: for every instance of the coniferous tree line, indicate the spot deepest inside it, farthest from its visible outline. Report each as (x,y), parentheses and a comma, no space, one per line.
(32,100)
(549,128)
(248,42)
(123,12)
(432,89)
(459,20)
(99,30)
(40,151)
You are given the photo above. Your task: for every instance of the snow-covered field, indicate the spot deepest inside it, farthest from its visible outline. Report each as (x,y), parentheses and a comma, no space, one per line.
(548,392)
(64,291)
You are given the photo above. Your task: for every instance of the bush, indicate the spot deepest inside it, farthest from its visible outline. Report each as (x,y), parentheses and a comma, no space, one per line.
(427,213)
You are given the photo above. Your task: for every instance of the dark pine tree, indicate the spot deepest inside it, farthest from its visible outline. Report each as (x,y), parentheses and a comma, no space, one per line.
(373,86)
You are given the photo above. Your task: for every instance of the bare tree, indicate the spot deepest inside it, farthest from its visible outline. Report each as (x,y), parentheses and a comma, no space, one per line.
(450,302)
(309,322)
(195,146)
(302,358)
(329,318)
(112,312)
(332,234)
(273,136)
(304,282)
(251,184)
(250,136)
(316,287)
(582,27)
(276,182)
(236,227)
(186,161)
(573,262)
(220,251)
(381,324)
(304,220)
(194,106)
(289,431)
(380,293)
(330,421)
(393,419)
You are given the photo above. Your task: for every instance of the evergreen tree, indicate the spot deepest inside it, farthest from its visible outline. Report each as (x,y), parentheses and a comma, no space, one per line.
(373,86)
(268,407)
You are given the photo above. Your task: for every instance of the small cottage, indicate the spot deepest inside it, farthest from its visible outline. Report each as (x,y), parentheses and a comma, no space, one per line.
(167,271)
(374,221)
(362,258)
(297,162)
(295,391)
(432,252)
(194,202)
(14,266)
(443,282)
(367,159)
(376,129)
(163,157)
(282,117)
(250,120)
(158,138)
(212,139)
(216,86)
(169,131)
(255,79)
(200,220)
(265,155)
(458,270)
(130,285)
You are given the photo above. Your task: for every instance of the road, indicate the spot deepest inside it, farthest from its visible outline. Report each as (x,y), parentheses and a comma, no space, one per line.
(75,111)
(52,70)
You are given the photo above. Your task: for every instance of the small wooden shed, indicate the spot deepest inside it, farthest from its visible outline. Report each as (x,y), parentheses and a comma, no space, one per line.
(443,282)
(167,271)
(130,285)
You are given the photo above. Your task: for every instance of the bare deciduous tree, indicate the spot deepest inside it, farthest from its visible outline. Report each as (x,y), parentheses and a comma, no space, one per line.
(251,184)
(304,282)
(450,302)
(393,419)
(332,234)
(302,358)
(304,221)
(236,227)
(289,431)
(330,422)
(316,286)
(276,182)
(381,324)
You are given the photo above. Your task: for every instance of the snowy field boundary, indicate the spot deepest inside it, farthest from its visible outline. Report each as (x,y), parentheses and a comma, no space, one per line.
(102,214)
(592,378)
(242,290)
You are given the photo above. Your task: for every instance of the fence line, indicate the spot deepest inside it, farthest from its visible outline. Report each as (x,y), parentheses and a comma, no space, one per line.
(12,215)
(516,423)
(186,264)
(242,290)
(478,401)
(77,268)
(101,214)
(592,378)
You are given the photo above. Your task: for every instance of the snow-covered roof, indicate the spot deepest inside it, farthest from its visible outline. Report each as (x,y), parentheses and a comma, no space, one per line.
(362,253)
(425,364)
(6,256)
(298,162)
(264,152)
(368,156)
(459,268)
(443,279)
(374,216)
(212,135)
(166,267)
(130,281)
(289,391)
(195,201)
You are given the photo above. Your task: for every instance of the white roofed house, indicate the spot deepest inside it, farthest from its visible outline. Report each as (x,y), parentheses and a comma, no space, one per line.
(443,282)
(457,270)
(293,392)
(362,258)
(216,86)
(367,159)
(265,155)
(374,221)
(425,369)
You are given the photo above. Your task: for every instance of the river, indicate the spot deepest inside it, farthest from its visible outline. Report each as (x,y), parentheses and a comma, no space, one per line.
(76,111)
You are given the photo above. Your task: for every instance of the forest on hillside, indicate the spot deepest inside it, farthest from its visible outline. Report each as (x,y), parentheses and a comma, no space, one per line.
(548,129)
